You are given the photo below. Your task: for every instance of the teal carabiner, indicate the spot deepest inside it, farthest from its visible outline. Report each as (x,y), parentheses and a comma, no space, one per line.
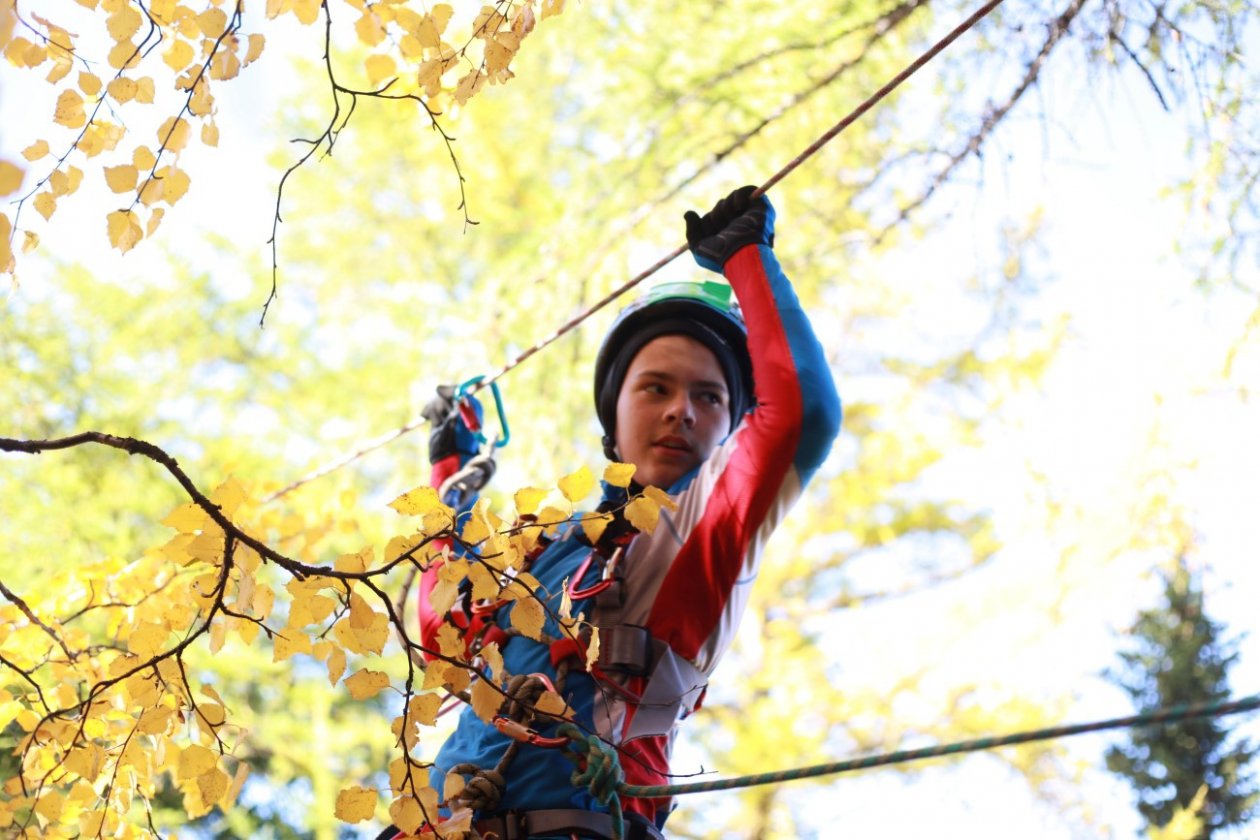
(462,392)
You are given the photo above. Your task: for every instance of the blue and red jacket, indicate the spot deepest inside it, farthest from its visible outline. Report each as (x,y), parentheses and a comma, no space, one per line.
(687,583)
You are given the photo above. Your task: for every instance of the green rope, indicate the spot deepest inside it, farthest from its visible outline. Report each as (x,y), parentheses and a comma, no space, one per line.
(598,770)
(1171,714)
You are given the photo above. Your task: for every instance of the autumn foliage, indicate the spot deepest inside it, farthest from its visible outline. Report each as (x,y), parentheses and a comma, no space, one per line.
(118,65)
(96,664)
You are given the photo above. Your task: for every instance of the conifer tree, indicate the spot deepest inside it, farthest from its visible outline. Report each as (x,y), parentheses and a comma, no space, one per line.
(1179,655)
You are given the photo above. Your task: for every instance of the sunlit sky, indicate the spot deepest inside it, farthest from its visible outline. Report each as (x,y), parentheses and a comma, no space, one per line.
(1144,354)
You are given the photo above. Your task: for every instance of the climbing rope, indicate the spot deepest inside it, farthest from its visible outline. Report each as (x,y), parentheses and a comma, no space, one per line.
(598,770)
(809,152)
(572,323)
(1171,714)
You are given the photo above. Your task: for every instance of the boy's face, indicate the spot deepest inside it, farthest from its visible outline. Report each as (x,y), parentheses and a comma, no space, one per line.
(673,409)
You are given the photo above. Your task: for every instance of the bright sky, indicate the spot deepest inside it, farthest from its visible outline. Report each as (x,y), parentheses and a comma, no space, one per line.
(1140,332)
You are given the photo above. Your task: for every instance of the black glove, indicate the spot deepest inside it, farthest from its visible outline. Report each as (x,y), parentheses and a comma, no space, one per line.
(449,434)
(734,222)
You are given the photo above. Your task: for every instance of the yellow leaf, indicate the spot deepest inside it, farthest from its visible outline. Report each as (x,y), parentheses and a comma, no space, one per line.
(527,616)
(145,90)
(659,496)
(36,150)
(364,683)
(123,55)
(486,700)
(122,89)
(69,110)
(498,56)
(173,134)
(256,43)
(592,649)
(121,178)
(225,65)
(306,11)
(577,485)
(423,709)
(124,230)
(441,15)
(212,22)
(405,813)
(124,23)
(188,518)
(418,502)
(553,704)
(89,83)
(336,665)
(356,804)
(178,55)
(10,178)
(212,784)
(468,86)
(618,474)
(155,721)
(369,29)
(61,68)
(643,513)
(30,241)
(229,496)
(45,204)
(552,7)
(202,100)
(450,641)
(443,596)
(147,638)
(593,525)
(494,659)
(211,713)
(162,10)
(379,68)
(452,786)
(6,250)
(143,158)
(50,804)
(86,761)
(288,643)
(523,22)
(64,182)
(174,183)
(194,761)
(527,500)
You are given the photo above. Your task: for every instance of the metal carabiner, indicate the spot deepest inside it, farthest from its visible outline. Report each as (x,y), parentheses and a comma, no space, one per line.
(606,578)
(463,391)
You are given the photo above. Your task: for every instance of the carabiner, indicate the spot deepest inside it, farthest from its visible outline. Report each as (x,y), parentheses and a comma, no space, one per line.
(606,578)
(463,391)
(521,732)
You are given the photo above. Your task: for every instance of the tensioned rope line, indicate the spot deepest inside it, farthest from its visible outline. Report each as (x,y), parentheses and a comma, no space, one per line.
(572,323)
(1171,714)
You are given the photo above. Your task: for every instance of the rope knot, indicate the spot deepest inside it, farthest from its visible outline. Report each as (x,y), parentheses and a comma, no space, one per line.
(598,770)
(523,693)
(484,790)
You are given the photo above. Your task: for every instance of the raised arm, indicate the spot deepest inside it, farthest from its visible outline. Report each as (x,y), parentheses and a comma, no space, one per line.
(727,511)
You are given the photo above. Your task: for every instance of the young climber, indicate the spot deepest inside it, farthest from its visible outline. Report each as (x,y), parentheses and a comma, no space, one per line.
(730,408)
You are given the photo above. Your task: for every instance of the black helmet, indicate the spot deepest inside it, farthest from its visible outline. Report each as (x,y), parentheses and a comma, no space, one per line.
(704,311)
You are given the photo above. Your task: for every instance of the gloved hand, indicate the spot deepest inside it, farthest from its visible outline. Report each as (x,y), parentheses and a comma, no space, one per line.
(735,221)
(449,433)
